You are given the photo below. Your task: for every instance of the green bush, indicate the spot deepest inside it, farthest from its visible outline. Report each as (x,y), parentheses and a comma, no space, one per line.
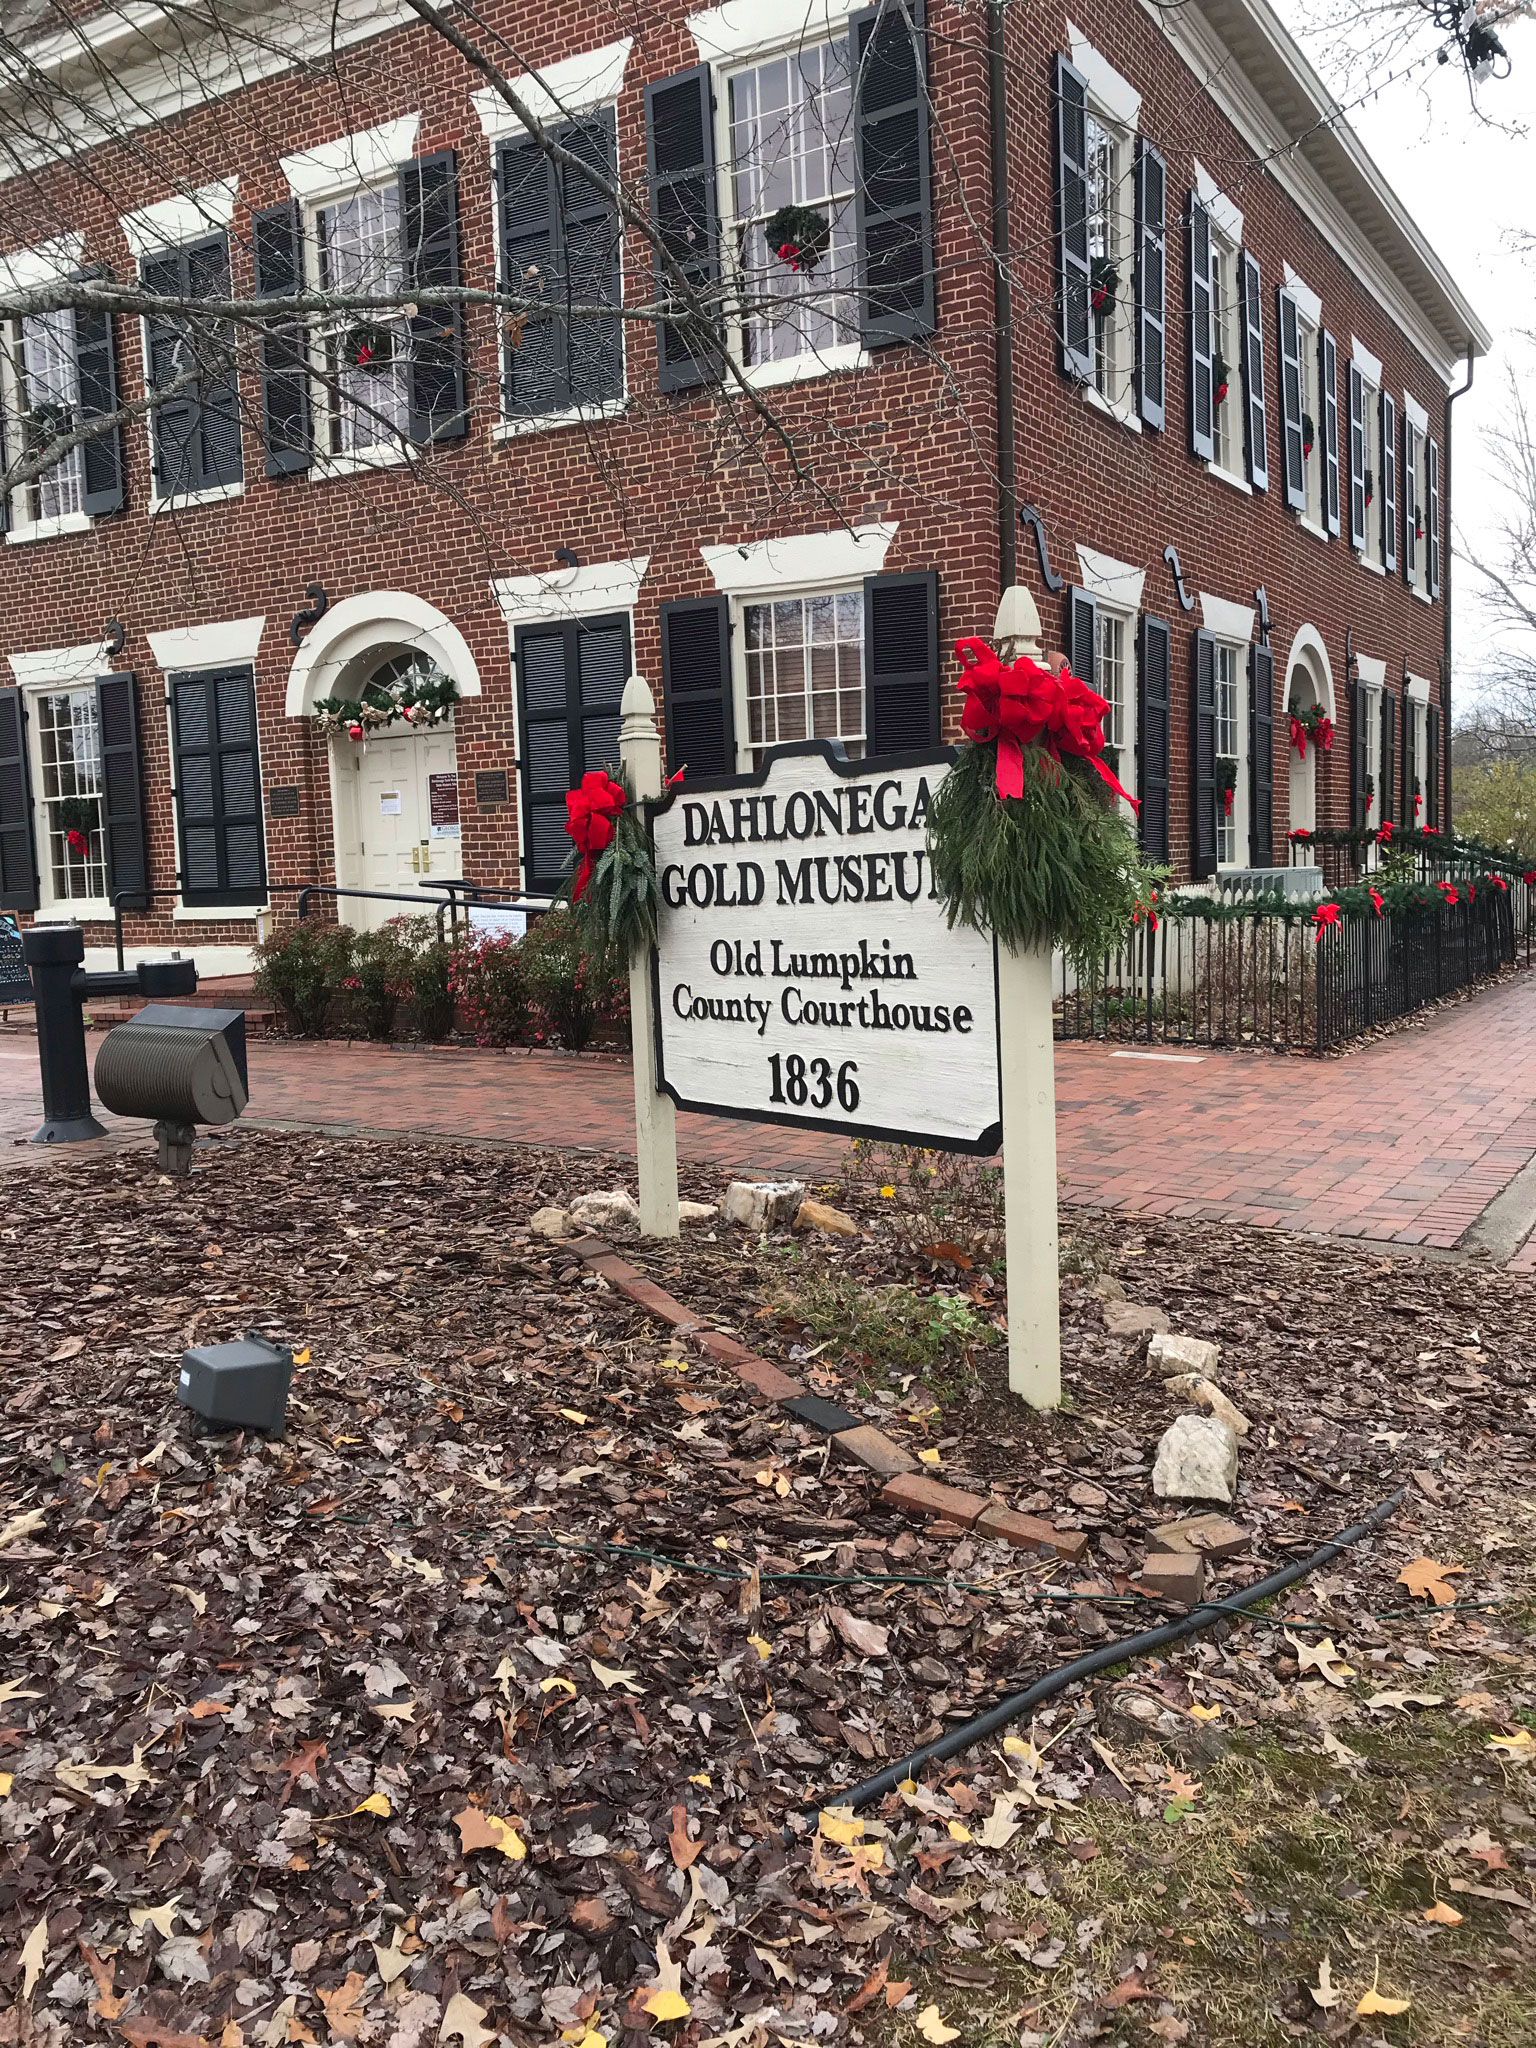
(430,979)
(488,980)
(302,968)
(1495,801)
(888,1331)
(573,991)
(381,974)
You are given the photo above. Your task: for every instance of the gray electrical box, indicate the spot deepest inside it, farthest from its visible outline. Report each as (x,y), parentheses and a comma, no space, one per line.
(181,1066)
(243,1385)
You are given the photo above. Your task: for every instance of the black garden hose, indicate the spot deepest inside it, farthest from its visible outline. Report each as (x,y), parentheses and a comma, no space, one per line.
(1202,1616)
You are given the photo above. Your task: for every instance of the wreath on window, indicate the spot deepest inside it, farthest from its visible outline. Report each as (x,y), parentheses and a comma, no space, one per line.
(45,423)
(1226,782)
(1103,284)
(1370,485)
(1308,434)
(1418,523)
(1418,798)
(1221,378)
(798,236)
(1312,724)
(423,695)
(1370,792)
(77,817)
(368,347)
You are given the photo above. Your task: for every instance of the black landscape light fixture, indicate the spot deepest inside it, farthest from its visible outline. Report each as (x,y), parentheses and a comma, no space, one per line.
(243,1385)
(183,1067)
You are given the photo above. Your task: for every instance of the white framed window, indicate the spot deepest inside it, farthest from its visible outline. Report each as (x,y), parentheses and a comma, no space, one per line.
(801,670)
(1114,678)
(362,398)
(1312,423)
(1227,446)
(42,399)
(1231,758)
(787,140)
(1111,231)
(1374,551)
(1414,541)
(66,767)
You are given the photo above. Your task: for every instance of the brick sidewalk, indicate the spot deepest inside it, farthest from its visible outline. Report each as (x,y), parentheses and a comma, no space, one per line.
(1408,1140)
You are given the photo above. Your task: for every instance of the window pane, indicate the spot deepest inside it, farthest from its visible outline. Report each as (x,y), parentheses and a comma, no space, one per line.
(368,363)
(50,395)
(804,664)
(70,745)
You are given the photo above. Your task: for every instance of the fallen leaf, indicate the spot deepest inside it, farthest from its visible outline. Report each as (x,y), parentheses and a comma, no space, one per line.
(564,1685)
(204,1710)
(1322,1992)
(1402,1701)
(1200,1713)
(1000,1827)
(1426,1580)
(70,1348)
(1374,2002)
(932,2028)
(301,1357)
(7,1779)
(391,1962)
(341,2006)
(666,2005)
(575,1415)
(840,1824)
(1443,1915)
(762,1646)
(463,2019)
(1483,1848)
(162,1918)
(33,1951)
(1128,1988)
(22,1525)
(930,1457)
(1321,1657)
(867,1637)
(16,1689)
(683,1850)
(481,1830)
(376,1802)
(608,1677)
(1520,1746)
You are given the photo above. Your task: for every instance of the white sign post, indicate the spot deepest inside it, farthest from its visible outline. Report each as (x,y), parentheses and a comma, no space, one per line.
(655,1119)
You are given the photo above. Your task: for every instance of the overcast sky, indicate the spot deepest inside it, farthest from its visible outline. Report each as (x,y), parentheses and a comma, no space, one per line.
(1470,185)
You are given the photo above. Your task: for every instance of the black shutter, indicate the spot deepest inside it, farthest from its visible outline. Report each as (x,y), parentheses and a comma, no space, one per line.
(1328,426)
(1261,756)
(901,662)
(893,200)
(680,145)
(1432,768)
(570,681)
(1386,483)
(429,220)
(1292,437)
(1151,284)
(1357,452)
(102,454)
(122,789)
(533,368)
(1255,405)
(696,685)
(1203,798)
(1386,785)
(591,238)
(1359,753)
(1432,513)
(1083,635)
(221,460)
(560,239)
(1073,269)
(18,860)
(218,789)
(194,436)
(278,243)
(174,434)
(1201,345)
(1155,734)
(1411,507)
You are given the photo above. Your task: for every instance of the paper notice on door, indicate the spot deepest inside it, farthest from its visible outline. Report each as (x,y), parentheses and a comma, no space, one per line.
(390,805)
(443,806)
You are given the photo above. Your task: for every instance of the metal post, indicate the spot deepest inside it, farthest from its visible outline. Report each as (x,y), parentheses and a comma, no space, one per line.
(54,952)
(655,1118)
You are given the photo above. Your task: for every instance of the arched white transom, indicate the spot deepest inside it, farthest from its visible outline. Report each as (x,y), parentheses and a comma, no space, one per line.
(372,625)
(1308,660)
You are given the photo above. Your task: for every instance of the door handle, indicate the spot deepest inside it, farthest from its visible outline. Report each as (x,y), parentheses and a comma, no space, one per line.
(426,858)
(416,860)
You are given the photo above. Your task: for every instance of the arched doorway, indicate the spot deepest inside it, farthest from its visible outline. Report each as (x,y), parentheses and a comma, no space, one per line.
(1308,685)
(394,779)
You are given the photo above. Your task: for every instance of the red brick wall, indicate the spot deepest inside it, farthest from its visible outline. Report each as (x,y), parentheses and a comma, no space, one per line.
(911,439)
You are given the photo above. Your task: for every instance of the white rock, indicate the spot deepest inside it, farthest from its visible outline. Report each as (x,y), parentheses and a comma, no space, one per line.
(1207,1395)
(762,1204)
(1196,1460)
(696,1212)
(1167,1353)
(604,1208)
(550,1222)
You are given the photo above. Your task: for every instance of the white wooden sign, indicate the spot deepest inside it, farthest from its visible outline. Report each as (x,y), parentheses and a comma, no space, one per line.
(805,972)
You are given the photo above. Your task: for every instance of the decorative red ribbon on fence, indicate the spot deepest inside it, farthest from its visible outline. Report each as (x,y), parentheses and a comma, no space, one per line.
(590,813)
(1022,704)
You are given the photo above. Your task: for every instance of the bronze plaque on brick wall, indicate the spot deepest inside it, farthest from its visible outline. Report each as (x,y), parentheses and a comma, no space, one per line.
(490,786)
(283,800)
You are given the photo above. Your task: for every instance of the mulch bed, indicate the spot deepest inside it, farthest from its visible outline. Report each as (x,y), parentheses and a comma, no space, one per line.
(495,1703)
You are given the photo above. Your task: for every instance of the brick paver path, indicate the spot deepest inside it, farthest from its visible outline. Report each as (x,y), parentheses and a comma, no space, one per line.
(1408,1139)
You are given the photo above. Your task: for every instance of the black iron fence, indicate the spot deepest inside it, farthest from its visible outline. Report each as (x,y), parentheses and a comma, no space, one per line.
(1270,978)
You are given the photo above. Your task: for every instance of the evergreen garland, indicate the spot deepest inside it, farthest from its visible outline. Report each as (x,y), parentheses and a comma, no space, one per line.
(615,914)
(1057,865)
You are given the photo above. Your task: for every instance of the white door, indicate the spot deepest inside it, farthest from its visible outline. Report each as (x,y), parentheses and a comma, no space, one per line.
(407,813)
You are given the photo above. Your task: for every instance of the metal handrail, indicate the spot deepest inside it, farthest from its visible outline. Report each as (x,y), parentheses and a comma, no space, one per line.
(121,897)
(371,895)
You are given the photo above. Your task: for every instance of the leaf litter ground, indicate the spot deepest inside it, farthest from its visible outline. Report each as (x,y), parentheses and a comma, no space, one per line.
(489,1705)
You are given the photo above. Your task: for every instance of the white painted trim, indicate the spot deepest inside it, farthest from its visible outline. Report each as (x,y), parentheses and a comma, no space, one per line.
(1368,365)
(49,529)
(1420,689)
(350,162)
(1226,216)
(330,468)
(43,263)
(800,561)
(1365,562)
(1233,622)
(840,355)
(1373,673)
(1230,476)
(1113,583)
(373,622)
(1124,415)
(45,668)
(1415,414)
(1116,95)
(1308,304)
(549,422)
(744,28)
(1309,642)
(184,217)
(222,643)
(570,593)
(576,85)
(186,501)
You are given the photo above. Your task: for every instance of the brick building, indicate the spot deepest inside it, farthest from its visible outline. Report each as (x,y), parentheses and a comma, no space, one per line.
(1203,412)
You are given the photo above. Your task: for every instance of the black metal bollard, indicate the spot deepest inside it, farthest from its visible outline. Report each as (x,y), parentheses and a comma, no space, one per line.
(60,989)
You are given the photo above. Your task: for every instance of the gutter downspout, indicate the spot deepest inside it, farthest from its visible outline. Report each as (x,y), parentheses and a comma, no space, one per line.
(1002,298)
(1445,582)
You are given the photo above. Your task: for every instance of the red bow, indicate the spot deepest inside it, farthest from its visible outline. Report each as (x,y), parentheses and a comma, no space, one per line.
(1324,915)
(1384,832)
(1529,877)
(1499,882)
(1378,902)
(590,812)
(1021,704)
(77,840)
(1449,891)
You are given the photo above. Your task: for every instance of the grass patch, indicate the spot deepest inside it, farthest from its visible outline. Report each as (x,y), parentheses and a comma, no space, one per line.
(886,1333)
